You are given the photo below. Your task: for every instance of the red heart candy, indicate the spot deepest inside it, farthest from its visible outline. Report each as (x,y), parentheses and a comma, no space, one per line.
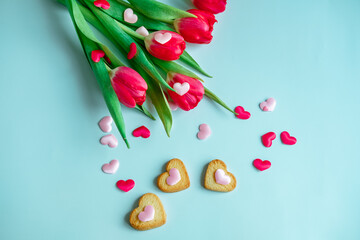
(132,51)
(125,185)
(267,138)
(96,55)
(102,4)
(287,139)
(261,165)
(241,113)
(142,131)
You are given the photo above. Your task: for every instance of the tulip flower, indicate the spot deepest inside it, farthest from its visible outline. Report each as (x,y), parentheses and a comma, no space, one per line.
(165,45)
(196,30)
(213,6)
(188,91)
(129,86)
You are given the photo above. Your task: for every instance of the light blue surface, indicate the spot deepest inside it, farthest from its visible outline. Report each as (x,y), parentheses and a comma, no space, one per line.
(306,54)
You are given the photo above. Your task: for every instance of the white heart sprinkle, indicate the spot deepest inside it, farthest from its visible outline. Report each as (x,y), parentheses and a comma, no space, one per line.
(130,16)
(181,89)
(162,38)
(142,31)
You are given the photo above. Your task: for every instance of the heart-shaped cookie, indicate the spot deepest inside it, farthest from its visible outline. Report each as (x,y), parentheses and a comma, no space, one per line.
(217,178)
(175,178)
(150,213)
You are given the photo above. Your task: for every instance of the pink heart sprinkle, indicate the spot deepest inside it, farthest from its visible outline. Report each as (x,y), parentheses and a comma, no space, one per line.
(111,167)
(142,31)
(148,214)
(162,38)
(241,113)
(142,131)
(221,177)
(96,55)
(268,105)
(102,4)
(204,131)
(174,177)
(181,88)
(287,139)
(109,140)
(267,138)
(173,106)
(125,185)
(132,51)
(261,165)
(105,124)
(130,16)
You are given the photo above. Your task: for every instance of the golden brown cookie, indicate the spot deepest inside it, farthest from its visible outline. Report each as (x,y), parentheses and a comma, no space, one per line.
(150,213)
(175,178)
(217,178)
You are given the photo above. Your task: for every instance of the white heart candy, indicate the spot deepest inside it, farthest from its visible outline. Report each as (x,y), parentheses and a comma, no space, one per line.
(221,177)
(130,16)
(181,89)
(109,140)
(268,105)
(162,38)
(204,131)
(111,167)
(142,31)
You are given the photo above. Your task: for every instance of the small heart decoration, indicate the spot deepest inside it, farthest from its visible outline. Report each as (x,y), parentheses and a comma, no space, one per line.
(96,55)
(142,31)
(142,131)
(130,16)
(162,38)
(112,167)
(102,4)
(267,138)
(241,113)
(181,88)
(221,177)
(105,124)
(174,177)
(125,185)
(268,105)
(132,51)
(287,139)
(261,165)
(173,106)
(204,131)
(148,214)
(109,140)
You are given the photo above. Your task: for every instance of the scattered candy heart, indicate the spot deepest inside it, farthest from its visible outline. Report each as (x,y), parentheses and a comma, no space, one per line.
(268,105)
(105,124)
(173,106)
(130,16)
(221,177)
(96,55)
(267,138)
(148,214)
(132,51)
(181,89)
(102,4)
(287,139)
(125,185)
(142,131)
(261,165)
(174,177)
(109,140)
(241,113)
(204,131)
(111,167)
(162,38)
(142,31)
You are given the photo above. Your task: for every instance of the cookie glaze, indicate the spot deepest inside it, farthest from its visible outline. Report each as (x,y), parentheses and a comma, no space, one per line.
(148,214)
(174,177)
(221,177)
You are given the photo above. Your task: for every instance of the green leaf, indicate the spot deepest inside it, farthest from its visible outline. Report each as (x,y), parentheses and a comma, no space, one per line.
(145,111)
(159,11)
(215,98)
(188,60)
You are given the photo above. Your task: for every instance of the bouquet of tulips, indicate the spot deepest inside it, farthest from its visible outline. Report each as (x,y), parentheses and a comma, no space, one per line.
(151,37)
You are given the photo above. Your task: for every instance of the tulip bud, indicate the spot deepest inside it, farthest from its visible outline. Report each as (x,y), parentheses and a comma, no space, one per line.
(129,86)
(189,91)
(213,6)
(165,45)
(196,30)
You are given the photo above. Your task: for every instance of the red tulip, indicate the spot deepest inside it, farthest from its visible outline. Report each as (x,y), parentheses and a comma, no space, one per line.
(196,30)
(165,45)
(213,6)
(129,86)
(188,91)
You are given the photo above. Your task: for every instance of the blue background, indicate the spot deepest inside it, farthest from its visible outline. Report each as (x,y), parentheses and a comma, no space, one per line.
(306,54)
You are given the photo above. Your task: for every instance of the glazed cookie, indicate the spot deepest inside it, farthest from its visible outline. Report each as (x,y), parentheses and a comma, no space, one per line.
(150,213)
(217,178)
(175,178)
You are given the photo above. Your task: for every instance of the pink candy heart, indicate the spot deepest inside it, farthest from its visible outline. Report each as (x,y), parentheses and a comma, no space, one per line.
(125,185)
(268,105)
(181,88)
(102,4)
(130,16)
(109,140)
(173,106)
(287,139)
(148,214)
(241,113)
(96,55)
(261,165)
(142,131)
(267,138)
(162,38)
(174,177)
(204,131)
(132,51)
(221,177)
(142,31)
(105,124)
(111,167)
